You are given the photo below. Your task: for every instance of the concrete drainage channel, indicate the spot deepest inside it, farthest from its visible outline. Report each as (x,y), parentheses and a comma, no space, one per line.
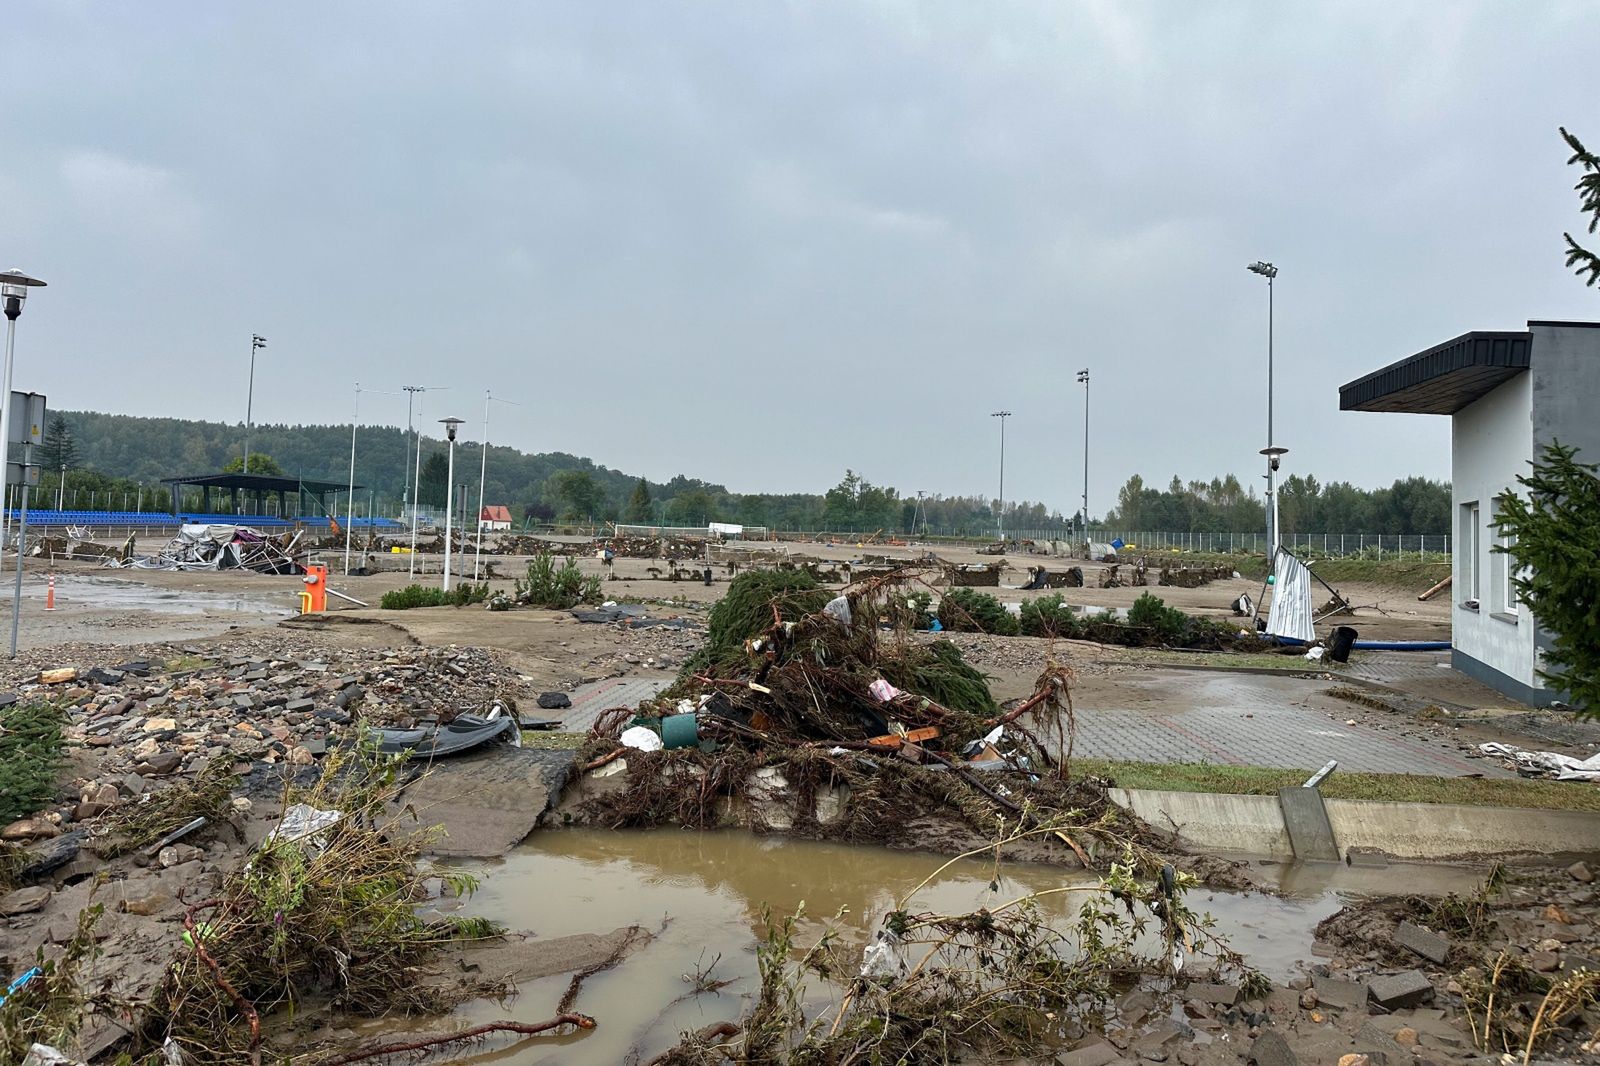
(1359,830)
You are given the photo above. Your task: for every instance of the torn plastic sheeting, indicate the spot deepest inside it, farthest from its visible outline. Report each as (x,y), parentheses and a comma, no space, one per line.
(882,691)
(1292,610)
(1546,763)
(302,820)
(45,1055)
(838,609)
(641,738)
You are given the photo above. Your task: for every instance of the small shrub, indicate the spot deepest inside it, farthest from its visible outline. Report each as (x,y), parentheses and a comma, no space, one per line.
(971,611)
(1151,612)
(428,596)
(557,588)
(1049,616)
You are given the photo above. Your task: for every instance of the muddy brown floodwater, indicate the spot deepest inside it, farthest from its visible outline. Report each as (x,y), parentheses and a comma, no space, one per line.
(713,886)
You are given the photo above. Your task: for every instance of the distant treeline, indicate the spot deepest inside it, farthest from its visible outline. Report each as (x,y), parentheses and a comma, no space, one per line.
(1410,506)
(115,453)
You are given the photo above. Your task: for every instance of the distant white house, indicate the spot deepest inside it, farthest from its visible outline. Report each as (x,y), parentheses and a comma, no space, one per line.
(494,516)
(1508,394)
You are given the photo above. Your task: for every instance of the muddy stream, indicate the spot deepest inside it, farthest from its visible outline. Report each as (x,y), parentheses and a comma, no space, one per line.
(713,887)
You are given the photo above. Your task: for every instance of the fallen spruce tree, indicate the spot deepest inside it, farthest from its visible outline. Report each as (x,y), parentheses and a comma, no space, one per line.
(830,717)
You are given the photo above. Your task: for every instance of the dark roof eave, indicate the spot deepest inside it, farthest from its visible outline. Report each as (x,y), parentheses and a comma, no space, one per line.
(1443,379)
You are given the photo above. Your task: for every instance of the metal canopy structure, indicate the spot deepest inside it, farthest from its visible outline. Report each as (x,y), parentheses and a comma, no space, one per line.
(1443,379)
(259,485)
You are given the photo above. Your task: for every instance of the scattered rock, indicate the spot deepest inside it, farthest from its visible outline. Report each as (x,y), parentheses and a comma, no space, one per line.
(146,905)
(1215,994)
(160,764)
(1406,1037)
(1332,992)
(1099,1053)
(1580,872)
(1355,1060)
(1308,999)
(1271,1049)
(1424,942)
(29,829)
(554,701)
(1407,989)
(24,900)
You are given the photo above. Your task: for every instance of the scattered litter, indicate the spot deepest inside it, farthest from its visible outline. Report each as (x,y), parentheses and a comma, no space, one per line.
(302,820)
(838,609)
(463,733)
(1545,763)
(1316,653)
(882,691)
(640,737)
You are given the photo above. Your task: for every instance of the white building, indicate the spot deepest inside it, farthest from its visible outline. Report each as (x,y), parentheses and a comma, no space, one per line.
(494,517)
(1508,394)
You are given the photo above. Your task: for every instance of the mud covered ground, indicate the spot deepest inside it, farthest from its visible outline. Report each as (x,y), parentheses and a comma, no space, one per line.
(418,665)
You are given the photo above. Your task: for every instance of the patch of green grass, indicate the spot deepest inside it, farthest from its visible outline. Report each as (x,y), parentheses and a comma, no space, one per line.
(183,664)
(1399,788)
(1244,659)
(552,740)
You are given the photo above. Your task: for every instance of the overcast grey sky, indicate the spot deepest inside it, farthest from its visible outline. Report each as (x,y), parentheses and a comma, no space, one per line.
(760,242)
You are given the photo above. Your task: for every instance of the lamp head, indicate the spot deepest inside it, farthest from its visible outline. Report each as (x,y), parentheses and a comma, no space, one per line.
(1083,376)
(257,341)
(450,425)
(14,286)
(1266,270)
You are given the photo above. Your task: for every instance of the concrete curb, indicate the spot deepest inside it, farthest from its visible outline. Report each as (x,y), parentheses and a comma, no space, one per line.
(1254,825)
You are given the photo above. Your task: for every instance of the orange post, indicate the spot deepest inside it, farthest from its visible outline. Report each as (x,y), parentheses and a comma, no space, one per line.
(317,586)
(50,594)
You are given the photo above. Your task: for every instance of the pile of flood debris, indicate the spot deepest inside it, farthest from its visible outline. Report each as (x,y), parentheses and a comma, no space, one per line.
(827,716)
(222,547)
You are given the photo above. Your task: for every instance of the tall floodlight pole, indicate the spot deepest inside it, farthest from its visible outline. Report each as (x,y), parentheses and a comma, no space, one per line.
(1083,379)
(1271,451)
(257,341)
(14,286)
(450,425)
(350,498)
(483,476)
(416,473)
(1001,521)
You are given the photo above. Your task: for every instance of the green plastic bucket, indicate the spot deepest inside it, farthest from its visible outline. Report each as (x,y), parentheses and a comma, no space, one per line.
(680,731)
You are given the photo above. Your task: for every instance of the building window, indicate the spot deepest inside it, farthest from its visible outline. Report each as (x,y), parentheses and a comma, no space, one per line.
(1467,558)
(1502,568)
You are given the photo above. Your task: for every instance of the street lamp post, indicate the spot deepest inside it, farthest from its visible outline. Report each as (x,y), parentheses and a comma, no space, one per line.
(256,341)
(1083,379)
(14,286)
(1271,451)
(483,476)
(450,425)
(1001,520)
(350,498)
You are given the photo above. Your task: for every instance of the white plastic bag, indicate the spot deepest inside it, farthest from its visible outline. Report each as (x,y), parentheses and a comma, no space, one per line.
(641,737)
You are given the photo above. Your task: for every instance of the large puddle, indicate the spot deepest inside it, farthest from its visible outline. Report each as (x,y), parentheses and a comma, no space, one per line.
(115,594)
(713,886)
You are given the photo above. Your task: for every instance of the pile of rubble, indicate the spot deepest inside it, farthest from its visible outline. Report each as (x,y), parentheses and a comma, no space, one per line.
(145,720)
(222,547)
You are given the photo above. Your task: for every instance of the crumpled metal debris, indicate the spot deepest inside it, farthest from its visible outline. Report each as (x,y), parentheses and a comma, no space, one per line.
(222,547)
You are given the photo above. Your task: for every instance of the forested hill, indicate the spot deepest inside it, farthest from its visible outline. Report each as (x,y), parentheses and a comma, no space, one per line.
(121,457)
(149,449)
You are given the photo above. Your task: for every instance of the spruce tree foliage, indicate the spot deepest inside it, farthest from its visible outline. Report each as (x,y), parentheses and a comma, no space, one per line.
(1582,260)
(433,480)
(260,463)
(1554,537)
(59,451)
(639,502)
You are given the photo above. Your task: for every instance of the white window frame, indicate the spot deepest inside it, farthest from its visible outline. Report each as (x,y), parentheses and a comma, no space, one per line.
(1468,561)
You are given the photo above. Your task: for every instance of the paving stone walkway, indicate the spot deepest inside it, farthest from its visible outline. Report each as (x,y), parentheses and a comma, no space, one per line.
(589,700)
(1253,720)
(1231,719)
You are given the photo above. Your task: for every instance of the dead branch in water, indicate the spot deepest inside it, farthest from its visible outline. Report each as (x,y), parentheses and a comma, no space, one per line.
(581,1021)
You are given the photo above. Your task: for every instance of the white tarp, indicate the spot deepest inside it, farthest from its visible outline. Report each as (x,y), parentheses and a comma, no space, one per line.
(1546,763)
(727,529)
(1291,612)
